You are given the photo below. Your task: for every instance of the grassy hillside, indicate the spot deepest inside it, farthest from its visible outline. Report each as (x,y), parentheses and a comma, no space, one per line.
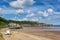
(3,26)
(3,22)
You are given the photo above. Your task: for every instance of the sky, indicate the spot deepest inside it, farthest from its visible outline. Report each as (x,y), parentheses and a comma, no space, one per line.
(43,11)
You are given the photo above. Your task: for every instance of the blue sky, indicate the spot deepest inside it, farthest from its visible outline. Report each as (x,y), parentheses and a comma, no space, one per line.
(44,11)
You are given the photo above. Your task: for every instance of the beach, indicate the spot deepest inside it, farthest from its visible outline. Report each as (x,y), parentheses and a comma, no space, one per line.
(31,33)
(51,34)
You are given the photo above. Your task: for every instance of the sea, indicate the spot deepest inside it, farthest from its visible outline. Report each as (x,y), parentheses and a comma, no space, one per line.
(51,28)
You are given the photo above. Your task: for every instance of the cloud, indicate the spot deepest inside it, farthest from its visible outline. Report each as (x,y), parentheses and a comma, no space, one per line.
(35,19)
(21,3)
(25,19)
(50,10)
(28,11)
(29,19)
(0,9)
(18,19)
(40,12)
(57,13)
(17,4)
(55,17)
(45,14)
(30,15)
(19,11)
(1,14)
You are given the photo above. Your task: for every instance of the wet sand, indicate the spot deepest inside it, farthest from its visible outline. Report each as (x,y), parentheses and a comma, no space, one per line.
(54,35)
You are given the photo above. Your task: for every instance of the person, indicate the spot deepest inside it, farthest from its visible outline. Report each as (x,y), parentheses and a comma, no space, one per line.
(8,32)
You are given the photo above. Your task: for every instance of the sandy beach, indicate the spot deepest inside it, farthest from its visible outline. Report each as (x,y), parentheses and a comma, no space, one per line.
(54,35)
(28,33)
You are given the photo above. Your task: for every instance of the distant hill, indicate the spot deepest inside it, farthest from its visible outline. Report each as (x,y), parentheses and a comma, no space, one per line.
(2,20)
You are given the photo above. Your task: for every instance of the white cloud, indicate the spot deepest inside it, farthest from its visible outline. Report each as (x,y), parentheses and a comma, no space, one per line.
(19,11)
(57,13)
(30,19)
(40,12)
(21,3)
(17,4)
(56,17)
(19,19)
(25,19)
(30,15)
(34,19)
(50,10)
(45,14)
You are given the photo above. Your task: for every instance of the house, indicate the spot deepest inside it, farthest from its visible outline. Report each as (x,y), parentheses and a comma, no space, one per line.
(14,26)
